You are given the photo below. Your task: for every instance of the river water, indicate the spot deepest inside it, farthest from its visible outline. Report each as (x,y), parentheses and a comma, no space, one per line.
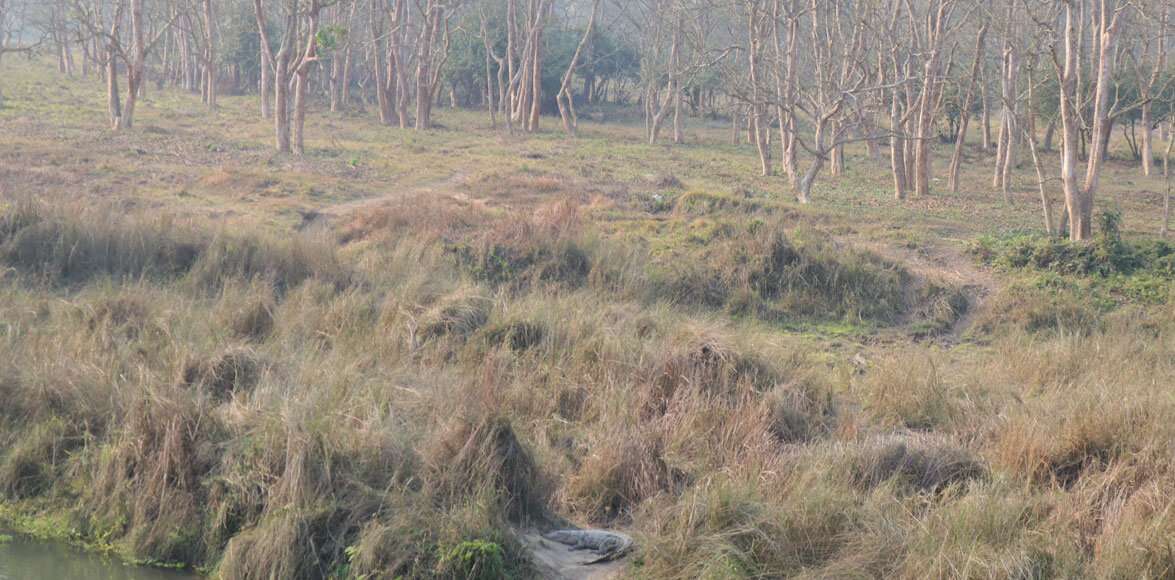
(27,559)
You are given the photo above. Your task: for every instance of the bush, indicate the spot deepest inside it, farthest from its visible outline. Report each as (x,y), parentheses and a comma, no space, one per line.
(472,560)
(768,276)
(1108,255)
(70,246)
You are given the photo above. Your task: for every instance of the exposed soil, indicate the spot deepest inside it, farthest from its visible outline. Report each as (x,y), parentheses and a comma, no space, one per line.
(942,264)
(560,562)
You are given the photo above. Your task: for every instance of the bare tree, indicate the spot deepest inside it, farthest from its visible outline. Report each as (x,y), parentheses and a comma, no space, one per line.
(965,109)
(786,22)
(1079,197)
(1163,228)
(428,76)
(937,19)
(837,55)
(526,85)
(301,72)
(12,20)
(340,63)
(1154,48)
(133,57)
(1009,78)
(387,63)
(1029,131)
(280,67)
(758,28)
(492,58)
(209,25)
(565,99)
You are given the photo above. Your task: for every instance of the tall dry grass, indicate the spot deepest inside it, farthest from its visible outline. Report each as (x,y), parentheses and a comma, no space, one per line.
(371,404)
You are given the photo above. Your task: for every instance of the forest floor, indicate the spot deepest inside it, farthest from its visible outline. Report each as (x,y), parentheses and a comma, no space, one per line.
(384,357)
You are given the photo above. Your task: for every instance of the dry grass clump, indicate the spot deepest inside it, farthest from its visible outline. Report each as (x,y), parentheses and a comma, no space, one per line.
(624,470)
(938,309)
(989,532)
(282,546)
(1088,401)
(1076,438)
(458,315)
(547,249)
(919,462)
(472,456)
(318,317)
(430,218)
(521,188)
(702,361)
(234,371)
(147,484)
(818,276)
(734,528)
(800,410)
(402,543)
(249,317)
(667,181)
(294,493)
(285,263)
(765,274)
(1136,536)
(1055,310)
(33,462)
(906,389)
(703,203)
(517,335)
(71,245)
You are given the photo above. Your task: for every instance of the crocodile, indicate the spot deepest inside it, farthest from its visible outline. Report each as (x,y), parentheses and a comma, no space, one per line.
(607,545)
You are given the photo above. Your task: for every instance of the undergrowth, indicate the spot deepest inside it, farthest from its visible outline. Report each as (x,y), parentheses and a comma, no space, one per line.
(398,398)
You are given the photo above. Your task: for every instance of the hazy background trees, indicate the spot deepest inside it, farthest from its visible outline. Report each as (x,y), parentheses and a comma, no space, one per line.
(1028,84)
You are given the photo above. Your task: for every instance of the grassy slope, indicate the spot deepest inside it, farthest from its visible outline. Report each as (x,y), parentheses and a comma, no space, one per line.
(487,332)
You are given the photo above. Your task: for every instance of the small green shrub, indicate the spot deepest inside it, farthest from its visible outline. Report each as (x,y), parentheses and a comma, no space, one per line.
(1107,255)
(472,560)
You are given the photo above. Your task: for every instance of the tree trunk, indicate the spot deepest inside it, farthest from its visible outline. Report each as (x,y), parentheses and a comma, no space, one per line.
(897,148)
(113,100)
(536,84)
(965,113)
(281,87)
(927,105)
(1045,203)
(1101,121)
(209,55)
(264,86)
(424,59)
(1147,149)
(757,116)
(1009,76)
(1163,228)
(565,99)
(135,68)
(804,191)
(302,78)
(384,86)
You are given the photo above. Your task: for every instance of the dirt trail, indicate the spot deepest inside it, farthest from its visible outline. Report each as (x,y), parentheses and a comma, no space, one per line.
(558,561)
(444,186)
(946,265)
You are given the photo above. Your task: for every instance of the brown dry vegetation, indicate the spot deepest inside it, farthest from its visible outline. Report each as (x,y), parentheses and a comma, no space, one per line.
(732,379)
